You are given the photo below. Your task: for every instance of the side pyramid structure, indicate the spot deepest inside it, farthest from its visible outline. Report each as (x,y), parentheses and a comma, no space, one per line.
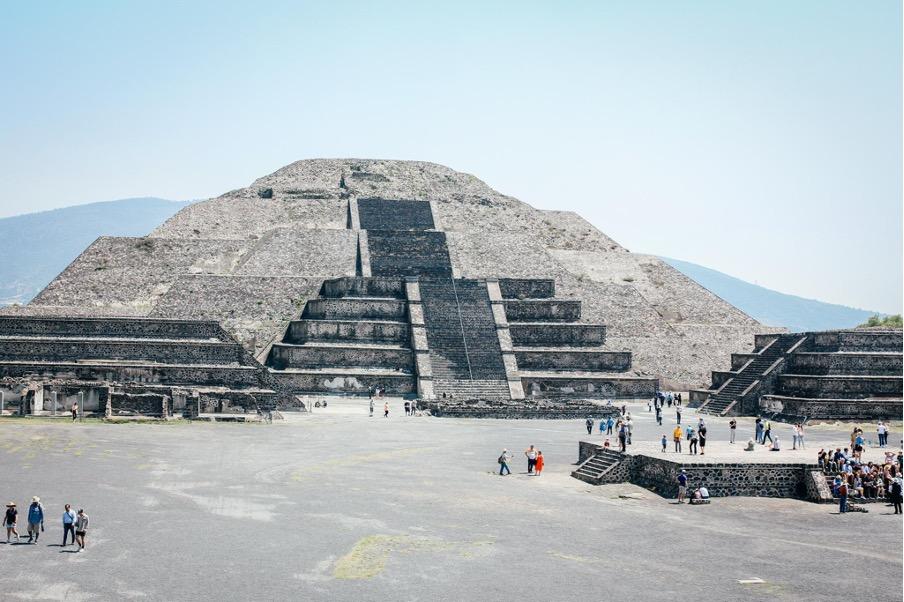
(338,275)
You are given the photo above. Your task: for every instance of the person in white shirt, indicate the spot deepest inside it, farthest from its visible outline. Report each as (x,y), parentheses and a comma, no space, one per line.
(882,431)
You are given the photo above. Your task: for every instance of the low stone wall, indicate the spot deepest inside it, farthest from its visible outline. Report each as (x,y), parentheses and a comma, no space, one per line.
(357,309)
(325,382)
(793,385)
(538,310)
(864,340)
(132,328)
(833,409)
(313,356)
(364,287)
(175,352)
(874,364)
(301,331)
(540,335)
(722,480)
(527,288)
(139,404)
(596,388)
(601,361)
(517,411)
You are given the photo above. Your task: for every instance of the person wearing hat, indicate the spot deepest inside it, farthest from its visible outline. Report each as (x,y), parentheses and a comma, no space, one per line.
(35,519)
(682,486)
(9,521)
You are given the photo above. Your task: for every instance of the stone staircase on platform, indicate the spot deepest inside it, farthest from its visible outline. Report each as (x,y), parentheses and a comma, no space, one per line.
(749,379)
(597,467)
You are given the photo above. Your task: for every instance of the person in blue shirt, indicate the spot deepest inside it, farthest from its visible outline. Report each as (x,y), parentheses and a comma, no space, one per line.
(609,425)
(35,519)
(682,486)
(603,423)
(664,443)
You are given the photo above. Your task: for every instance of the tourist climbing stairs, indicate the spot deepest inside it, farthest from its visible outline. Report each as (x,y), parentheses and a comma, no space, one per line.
(595,468)
(748,379)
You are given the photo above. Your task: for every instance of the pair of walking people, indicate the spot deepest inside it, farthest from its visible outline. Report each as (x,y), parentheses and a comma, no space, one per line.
(74,523)
(535,461)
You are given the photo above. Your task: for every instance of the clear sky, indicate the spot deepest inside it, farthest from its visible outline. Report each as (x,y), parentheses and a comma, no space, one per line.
(759,138)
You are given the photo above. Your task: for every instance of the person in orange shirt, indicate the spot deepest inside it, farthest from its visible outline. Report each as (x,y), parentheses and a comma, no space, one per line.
(539,465)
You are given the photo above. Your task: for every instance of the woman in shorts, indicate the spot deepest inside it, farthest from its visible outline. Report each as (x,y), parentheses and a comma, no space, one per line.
(9,521)
(81,528)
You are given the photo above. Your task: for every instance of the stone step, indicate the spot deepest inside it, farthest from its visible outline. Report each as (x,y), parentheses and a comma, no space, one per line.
(360,308)
(351,286)
(301,331)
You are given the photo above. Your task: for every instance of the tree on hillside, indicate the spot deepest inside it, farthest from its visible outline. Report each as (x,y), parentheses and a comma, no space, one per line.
(882,322)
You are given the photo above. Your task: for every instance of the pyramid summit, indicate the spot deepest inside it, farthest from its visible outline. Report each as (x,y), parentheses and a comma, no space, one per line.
(340,275)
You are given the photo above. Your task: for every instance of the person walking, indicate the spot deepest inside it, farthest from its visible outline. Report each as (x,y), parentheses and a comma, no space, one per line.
(676,437)
(589,424)
(531,454)
(74,411)
(35,519)
(659,415)
(622,438)
(371,406)
(69,517)
(540,462)
(9,521)
(896,491)
(682,486)
(81,529)
(503,463)
(732,428)
(759,430)
(692,448)
(609,424)
(407,407)
(767,432)
(385,409)
(678,414)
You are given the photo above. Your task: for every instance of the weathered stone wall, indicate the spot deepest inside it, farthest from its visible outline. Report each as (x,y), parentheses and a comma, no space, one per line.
(302,252)
(856,340)
(527,288)
(168,352)
(336,382)
(231,376)
(11,326)
(325,356)
(576,410)
(531,310)
(364,287)
(139,404)
(357,309)
(345,330)
(839,386)
(846,363)
(615,387)
(833,409)
(552,335)
(597,361)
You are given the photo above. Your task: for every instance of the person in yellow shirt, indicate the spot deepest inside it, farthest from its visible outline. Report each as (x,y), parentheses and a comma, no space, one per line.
(676,437)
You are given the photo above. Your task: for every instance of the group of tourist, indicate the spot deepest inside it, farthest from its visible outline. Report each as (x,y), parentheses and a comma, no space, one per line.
(74,524)
(857,480)
(696,439)
(535,461)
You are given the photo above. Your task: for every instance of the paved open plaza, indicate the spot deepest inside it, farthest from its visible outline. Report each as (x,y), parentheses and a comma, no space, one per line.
(337,505)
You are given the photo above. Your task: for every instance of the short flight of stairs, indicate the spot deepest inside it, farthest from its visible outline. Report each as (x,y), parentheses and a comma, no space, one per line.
(852,500)
(594,469)
(740,385)
(408,253)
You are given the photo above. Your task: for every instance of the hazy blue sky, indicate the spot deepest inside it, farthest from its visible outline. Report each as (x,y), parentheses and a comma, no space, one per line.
(758,138)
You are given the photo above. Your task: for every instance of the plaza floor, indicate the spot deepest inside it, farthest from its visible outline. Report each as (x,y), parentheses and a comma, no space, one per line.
(336,505)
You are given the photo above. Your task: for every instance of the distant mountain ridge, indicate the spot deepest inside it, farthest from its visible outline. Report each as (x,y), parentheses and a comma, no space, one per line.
(770,307)
(38,246)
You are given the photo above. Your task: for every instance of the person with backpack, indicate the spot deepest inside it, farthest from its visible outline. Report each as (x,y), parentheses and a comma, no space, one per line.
(35,519)
(503,463)
(842,496)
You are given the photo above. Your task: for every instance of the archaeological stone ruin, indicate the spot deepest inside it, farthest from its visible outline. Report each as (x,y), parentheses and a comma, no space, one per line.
(338,276)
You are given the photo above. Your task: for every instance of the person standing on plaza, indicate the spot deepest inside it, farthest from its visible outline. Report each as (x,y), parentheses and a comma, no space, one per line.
(540,463)
(385,409)
(732,427)
(407,407)
(603,423)
(701,433)
(895,490)
(676,437)
(692,447)
(81,529)
(371,405)
(759,430)
(767,432)
(503,463)
(9,521)
(682,486)
(69,518)
(842,496)
(609,424)
(629,424)
(74,411)
(659,415)
(678,414)
(531,454)
(882,432)
(35,519)
(622,438)
(664,442)
(589,424)
(794,433)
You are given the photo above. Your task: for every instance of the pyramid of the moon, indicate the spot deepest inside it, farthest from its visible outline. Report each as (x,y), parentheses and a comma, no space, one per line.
(344,274)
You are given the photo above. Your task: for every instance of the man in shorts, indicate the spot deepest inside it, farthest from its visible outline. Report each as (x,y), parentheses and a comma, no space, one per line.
(682,486)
